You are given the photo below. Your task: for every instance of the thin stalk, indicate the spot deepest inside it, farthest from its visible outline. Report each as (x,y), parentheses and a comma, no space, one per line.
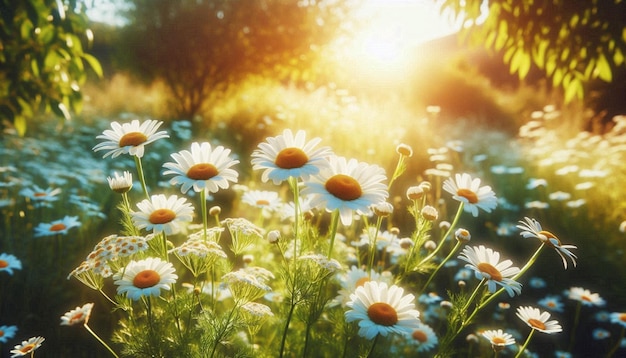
(100,340)
(287,322)
(572,337)
(432,275)
(521,350)
(373,247)
(333,231)
(371,352)
(142,178)
(443,239)
(204,213)
(617,345)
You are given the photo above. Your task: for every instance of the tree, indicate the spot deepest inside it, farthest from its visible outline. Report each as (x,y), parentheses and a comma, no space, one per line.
(199,47)
(42,60)
(572,41)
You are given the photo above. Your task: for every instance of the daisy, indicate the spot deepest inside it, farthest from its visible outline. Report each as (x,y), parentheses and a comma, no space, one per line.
(268,201)
(347,186)
(498,339)
(382,310)
(77,315)
(424,338)
(204,168)
(121,184)
(585,297)
(58,227)
(618,318)
(9,262)
(7,332)
(538,320)
(27,347)
(353,278)
(485,263)
(41,197)
(552,303)
(162,214)
(287,156)
(129,138)
(145,278)
(468,191)
(531,228)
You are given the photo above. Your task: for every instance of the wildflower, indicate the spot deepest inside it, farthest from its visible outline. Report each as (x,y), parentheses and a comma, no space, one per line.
(347,186)
(255,315)
(404,150)
(600,333)
(204,168)
(463,235)
(536,204)
(7,332)
(162,214)
(355,277)
(429,213)
(559,196)
(41,197)
(537,282)
(382,209)
(562,354)
(532,228)
(602,316)
(381,310)
(263,199)
(27,347)
(415,192)
(429,298)
(145,278)
(248,284)
(243,234)
(538,320)
(585,297)
(287,156)
(57,227)
(468,191)
(424,338)
(618,318)
(77,315)
(129,138)
(273,236)
(199,255)
(9,262)
(121,184)
(552,303)
(498,339)
(485,263)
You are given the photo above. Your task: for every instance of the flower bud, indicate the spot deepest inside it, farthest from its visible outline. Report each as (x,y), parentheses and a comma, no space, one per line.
(382,209)
(430,213)
(462,235)
(215,211)
(273,236)
(404,150)
(415,193)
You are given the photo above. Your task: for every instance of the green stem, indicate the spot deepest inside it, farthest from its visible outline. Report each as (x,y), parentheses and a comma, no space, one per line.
(472,297)
(100,340)
(443,238)
(572,338)
(521,350)
(371,352)
(142,179)
(333,231)
(373,247)
(293,183)
(432,275)
(204,213)
(287,322)
(617,345)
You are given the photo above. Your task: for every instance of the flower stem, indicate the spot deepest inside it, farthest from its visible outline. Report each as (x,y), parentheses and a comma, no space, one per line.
(204,213)
(287,322)
(617,344)
(521,350)
(142,179)
(572,338)
(432,275)
(443,238)
(371,352)
(333,231)
(373,247)
(100,340)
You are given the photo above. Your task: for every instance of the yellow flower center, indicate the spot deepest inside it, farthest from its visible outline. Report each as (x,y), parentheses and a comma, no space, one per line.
(290,158)
(162,216)
(77,317)
(361,282)
(27,348)
(262,202)
(419,336)
(1,333)
(493,272)
(382,314)
(550,235)
(132,138)
(622,317)
(344,187)
(58,227)
(3,264)
(471,197)
(202,171)
(585,298)
(146,278)
(40,194)
(498,340)
(535,323)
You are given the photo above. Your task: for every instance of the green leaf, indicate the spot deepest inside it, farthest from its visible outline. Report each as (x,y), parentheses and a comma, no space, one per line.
(94,64)
(573,90)
(19,122)
(603,69)
(524,64)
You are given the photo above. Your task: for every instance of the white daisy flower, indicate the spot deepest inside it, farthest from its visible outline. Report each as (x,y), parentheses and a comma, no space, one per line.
(424,338)
(498,339)
(162,214)
(7,332)
(27,347)
(531,228)
(585,297)
(287,156)
(9,262)
(267,201)
(468,191)
(145,278)
(77,315)
(382,310)
(204,168)
(41,197)
(57,227)
(347,185)
(486,265)
(538,320)
(129,138)
(618,318)
(121,183)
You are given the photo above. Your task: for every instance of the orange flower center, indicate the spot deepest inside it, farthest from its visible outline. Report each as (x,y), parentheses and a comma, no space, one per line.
(493,272)
(344,187)
(132,138)
(361,282)
(419,336)
(1,333)
(468,194)
(162,216)
(290,158)
(585,298)
(262,202)
(202,171)
(40,194)
(550,235)
(382,314)
(146,278)
(3,264)
(76,317)
(535,323)
(27,348)
(58,227)
(622,317)
(498,340)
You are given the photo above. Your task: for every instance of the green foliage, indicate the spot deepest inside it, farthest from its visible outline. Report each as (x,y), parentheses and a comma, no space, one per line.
(199,47)
(42,58)
(572,42)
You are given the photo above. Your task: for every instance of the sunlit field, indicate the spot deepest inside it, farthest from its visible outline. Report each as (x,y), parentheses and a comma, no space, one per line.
(353,219)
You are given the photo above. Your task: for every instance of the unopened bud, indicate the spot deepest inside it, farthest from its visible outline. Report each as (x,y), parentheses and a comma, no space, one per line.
(430,213)
(415,193)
